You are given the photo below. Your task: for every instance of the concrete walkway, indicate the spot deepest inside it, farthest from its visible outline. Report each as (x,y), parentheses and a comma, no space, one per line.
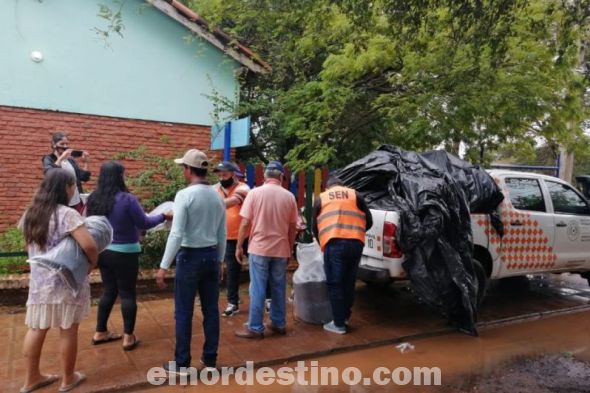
(380,316)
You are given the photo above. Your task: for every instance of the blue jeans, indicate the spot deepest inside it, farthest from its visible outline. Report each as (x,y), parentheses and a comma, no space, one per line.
(197,271)
(262,271)
(341,262)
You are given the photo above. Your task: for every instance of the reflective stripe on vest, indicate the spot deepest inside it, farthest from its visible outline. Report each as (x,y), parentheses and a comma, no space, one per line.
(232,214)
(339,217)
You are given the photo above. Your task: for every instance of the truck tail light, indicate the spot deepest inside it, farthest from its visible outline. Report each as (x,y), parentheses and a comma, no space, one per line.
(390,247)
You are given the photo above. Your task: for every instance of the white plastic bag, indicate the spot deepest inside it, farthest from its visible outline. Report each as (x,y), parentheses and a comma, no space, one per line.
(161,209)
(311,302)
(68,259)
(405,347)
(311,263)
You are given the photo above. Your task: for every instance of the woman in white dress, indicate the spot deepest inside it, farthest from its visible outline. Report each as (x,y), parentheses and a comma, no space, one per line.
(50,303)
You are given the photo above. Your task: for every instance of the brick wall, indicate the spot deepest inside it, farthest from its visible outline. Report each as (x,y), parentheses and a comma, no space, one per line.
(25,136)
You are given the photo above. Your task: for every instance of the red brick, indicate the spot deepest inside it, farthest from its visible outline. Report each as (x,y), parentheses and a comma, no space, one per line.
(26,135)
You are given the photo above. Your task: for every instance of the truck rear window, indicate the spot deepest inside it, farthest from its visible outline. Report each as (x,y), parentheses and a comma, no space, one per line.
(525,194)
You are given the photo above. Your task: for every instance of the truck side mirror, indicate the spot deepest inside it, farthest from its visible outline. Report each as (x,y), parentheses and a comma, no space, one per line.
(584,183)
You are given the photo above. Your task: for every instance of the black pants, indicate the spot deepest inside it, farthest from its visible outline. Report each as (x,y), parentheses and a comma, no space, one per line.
(119,277)
(341,262)
(232,273)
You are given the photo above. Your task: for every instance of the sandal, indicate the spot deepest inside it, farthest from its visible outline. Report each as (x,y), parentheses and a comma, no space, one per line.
(131,347)
(41,384)
(80,377)
(110,337)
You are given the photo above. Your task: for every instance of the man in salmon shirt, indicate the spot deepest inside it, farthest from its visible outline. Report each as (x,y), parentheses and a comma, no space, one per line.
(269,216)
(233,192)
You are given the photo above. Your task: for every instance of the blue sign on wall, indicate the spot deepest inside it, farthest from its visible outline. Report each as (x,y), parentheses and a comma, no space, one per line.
(239,132)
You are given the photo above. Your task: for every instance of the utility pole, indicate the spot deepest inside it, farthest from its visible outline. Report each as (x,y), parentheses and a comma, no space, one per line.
(566,157)
(566,164)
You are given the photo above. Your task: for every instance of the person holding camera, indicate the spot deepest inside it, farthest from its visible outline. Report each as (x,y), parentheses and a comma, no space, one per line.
(63,157)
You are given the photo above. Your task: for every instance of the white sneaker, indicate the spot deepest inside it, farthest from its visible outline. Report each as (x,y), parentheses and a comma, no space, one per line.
(330,327)
(230,310)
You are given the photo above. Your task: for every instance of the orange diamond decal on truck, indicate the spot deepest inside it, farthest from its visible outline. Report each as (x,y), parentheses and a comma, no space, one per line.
(522,247)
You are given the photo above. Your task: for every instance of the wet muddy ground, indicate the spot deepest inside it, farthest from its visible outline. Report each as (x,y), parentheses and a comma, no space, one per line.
(546,374)
(546,318)
(544,356)
(547,353)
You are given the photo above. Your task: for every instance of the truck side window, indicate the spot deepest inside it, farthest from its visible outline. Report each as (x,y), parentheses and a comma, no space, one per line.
(565,200)
(525,194)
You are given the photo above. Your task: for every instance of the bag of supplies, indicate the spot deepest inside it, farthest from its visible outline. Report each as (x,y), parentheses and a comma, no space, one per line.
(161,209)
(69,260)
(311,303)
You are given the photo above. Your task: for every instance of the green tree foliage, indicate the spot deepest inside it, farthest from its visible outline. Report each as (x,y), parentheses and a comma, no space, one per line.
(349,75)
(160,179)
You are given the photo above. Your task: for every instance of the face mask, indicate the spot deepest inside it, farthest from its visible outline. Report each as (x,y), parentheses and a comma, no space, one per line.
(227,183)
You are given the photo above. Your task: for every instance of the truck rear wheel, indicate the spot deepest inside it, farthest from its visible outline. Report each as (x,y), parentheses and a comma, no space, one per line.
(482,281)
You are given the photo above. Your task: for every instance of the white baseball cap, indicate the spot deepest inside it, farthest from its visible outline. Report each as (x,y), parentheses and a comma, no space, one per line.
(194,158)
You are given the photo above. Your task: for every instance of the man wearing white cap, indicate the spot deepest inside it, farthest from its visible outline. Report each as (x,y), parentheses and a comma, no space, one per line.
(197,240)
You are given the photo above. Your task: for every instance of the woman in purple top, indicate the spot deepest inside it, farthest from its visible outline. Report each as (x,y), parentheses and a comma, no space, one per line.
(119,263)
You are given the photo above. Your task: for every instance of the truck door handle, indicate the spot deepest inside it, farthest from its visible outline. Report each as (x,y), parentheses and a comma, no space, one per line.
(561,224)
(516,223)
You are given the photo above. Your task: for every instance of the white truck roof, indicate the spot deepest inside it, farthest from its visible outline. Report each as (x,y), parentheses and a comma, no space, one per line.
(506,172)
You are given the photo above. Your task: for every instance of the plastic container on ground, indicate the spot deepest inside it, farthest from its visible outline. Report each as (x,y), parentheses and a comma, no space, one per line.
(311,303)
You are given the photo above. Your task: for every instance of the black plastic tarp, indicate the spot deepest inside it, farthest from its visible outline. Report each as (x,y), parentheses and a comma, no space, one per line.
(434,193)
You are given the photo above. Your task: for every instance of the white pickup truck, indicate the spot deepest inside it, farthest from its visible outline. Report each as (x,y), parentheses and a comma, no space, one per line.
(547,229)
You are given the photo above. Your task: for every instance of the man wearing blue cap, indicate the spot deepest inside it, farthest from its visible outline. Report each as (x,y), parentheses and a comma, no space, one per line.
(269,217)
(233,192)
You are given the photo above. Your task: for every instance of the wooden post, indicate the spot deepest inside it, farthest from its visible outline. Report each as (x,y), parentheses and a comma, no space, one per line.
(317,183)
(325,177)
(294,185)
(287,179)
(259,175)
(250,175)
(301,189)
(309,183)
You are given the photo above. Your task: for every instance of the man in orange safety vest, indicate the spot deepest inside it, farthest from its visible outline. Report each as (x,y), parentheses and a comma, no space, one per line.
(341,219)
